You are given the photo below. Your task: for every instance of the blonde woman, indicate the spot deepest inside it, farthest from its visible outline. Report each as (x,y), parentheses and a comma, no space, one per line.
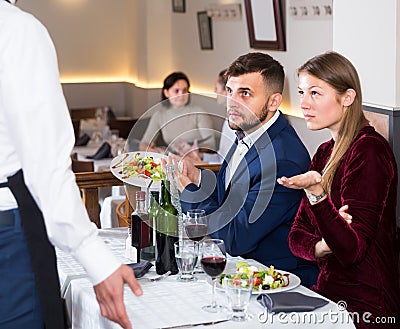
(355,171)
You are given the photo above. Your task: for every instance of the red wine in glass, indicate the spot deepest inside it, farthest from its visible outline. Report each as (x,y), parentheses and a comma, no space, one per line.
(213,261)
(213,266)
(196,232)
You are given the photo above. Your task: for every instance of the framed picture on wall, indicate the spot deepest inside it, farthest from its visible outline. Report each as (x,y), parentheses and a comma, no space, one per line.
(205,30)
(178,6)
(265,24)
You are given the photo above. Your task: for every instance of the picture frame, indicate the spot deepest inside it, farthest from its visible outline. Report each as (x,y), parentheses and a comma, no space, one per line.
(265,24)
(204,24)
(179,6)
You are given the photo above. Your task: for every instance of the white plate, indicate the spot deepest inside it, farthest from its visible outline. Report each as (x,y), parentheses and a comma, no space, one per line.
(294,281)
(117,164)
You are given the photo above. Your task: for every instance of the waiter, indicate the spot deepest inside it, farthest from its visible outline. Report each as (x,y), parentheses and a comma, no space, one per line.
(40,204)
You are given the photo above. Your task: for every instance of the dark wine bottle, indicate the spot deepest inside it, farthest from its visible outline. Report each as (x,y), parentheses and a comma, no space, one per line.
(138,217)
(167,232)
(148,246)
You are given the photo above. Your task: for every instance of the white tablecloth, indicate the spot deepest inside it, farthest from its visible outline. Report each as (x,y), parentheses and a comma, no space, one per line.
(170,303)
(91,149)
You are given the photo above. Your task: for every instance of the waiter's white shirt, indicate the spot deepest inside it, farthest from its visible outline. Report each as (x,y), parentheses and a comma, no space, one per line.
(36,135)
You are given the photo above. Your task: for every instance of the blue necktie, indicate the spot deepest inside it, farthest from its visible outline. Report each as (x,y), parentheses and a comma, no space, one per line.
(240,135)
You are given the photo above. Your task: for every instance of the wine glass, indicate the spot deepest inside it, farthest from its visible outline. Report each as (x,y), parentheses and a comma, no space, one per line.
(196,229)
(196,224)
(213,262)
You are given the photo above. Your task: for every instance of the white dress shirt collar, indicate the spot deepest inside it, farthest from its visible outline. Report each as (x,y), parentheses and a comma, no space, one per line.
(244,145)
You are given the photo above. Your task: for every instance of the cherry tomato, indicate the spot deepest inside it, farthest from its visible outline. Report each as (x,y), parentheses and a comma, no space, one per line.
(236,281)
(257,281)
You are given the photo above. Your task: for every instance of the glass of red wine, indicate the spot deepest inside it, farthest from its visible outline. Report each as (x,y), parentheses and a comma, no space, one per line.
(213,262)
(196,229)
(196,224)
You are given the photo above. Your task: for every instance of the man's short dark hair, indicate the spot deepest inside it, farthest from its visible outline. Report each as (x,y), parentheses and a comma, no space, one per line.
(270,69)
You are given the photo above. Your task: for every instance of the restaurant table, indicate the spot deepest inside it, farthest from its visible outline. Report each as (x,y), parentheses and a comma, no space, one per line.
(170,303)
(90,149)
(109,197)
(93,127)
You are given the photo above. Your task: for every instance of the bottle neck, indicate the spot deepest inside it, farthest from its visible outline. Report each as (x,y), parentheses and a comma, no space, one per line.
(165,194)
(155,197)
(140,206)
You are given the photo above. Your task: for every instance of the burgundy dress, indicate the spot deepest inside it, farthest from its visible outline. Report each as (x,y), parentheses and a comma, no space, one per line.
(362,269)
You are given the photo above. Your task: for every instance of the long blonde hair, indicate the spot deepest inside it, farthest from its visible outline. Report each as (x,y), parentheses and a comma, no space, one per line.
(341,75)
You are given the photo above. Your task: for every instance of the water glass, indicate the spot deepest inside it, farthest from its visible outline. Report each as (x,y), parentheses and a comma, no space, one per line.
(186,254)
(238,290)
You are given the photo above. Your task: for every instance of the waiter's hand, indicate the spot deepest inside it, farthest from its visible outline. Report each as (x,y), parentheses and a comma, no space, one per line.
(110,295)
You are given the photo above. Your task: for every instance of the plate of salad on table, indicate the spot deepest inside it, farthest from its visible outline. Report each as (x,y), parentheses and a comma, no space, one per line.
(138,168)
(265,279)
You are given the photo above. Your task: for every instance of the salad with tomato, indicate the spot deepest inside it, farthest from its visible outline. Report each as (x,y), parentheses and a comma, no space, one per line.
(263,278)
(147,166)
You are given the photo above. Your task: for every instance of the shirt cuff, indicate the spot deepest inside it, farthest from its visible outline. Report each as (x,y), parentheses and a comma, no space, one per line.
(97,260)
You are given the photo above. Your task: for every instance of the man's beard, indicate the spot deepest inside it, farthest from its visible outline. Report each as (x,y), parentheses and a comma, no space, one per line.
(252,123)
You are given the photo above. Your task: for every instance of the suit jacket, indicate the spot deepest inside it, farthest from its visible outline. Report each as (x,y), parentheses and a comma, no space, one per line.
(254,215)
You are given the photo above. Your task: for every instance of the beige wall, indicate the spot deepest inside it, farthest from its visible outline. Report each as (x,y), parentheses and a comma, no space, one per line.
(142,40)
(94,38)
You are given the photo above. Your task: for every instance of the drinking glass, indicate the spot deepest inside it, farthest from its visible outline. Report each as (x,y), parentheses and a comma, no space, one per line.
(186,254)
(238,291)
(196,224)
(196,229)
(213,262)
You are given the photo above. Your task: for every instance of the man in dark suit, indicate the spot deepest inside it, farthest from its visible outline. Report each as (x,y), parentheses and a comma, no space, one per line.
(245,206)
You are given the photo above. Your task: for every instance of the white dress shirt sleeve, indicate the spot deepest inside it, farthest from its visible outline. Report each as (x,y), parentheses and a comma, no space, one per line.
(37,134)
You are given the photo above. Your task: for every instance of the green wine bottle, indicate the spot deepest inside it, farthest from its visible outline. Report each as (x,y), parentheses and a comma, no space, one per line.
(167,232)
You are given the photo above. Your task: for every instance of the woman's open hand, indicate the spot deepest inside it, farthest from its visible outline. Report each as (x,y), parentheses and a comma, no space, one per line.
(311,182)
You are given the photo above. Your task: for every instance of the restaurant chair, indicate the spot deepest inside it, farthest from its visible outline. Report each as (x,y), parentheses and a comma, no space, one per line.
(124,126)
(124,211)
(80,113)
(76,123)
(89,184)
(83,113)
(81,166)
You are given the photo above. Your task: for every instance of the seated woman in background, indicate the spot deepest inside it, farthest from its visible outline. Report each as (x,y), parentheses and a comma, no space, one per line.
(356,171)
(176,120)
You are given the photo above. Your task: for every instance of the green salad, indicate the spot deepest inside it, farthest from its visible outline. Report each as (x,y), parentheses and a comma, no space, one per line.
(263,278)
(139,166)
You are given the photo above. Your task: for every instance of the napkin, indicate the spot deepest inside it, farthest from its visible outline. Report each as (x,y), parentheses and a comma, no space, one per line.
(104,151)
(290,302)
(140,268)
(83,140)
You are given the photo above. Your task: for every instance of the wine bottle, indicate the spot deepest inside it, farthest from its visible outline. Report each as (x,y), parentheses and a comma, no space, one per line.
(167,232)
(148,246)
(138,217)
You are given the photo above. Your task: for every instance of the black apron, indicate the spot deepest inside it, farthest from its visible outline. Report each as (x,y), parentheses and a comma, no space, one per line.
(43,257)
